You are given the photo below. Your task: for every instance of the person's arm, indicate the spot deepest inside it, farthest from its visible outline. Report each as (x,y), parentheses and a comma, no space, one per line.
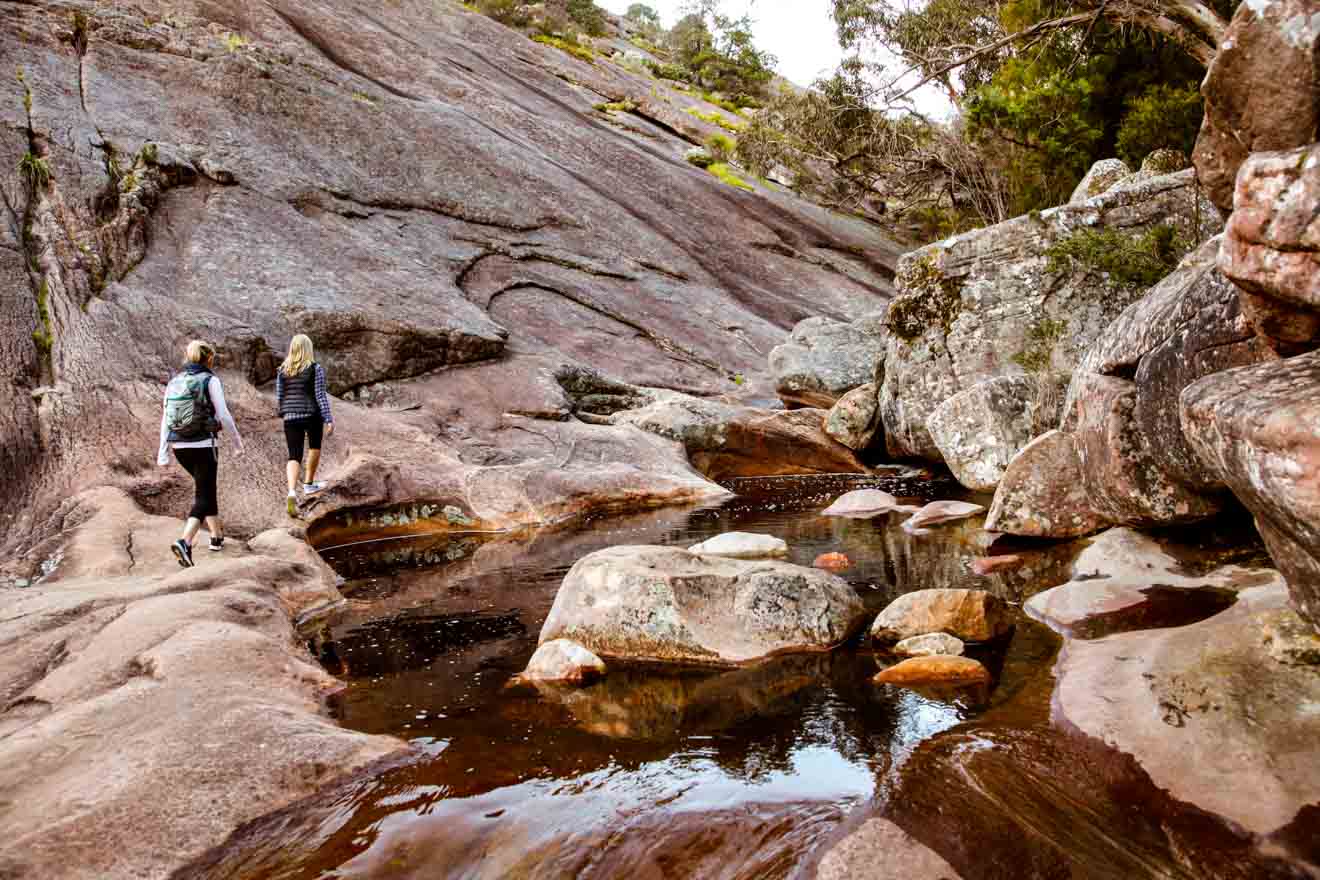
(222,411)
(323,396)
(163,453)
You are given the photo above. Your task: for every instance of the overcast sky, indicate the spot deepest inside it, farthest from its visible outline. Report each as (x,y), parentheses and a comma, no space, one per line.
(800,33)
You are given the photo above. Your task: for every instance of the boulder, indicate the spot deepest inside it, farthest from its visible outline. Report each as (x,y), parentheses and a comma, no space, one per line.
(970,615)
(929,645)
(1043,494)
(1262,91)
(935,669)
(665,604)
(880,850)
(1258,430)
(855,419)
(1101,178)
(741,545)
(562,660)
(1007,300)
(979,430)
(825,358)
(938,512)
(832,561)
(864,504)
(1272,245)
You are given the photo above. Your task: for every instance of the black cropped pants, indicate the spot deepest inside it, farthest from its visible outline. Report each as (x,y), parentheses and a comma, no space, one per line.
(203,465)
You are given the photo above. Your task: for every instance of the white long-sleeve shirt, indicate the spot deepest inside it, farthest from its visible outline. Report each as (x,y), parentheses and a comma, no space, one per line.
(217,393)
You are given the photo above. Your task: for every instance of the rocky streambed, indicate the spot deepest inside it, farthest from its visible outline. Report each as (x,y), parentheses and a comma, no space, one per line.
(801,765)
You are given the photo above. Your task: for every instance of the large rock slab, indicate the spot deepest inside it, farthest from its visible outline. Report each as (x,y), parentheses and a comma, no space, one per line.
(1043,493)
(1205,711)
(1262,91)
(1272,245)
(665,604)
(992,302)
(970,615)
(1258,429)
(978,431)
(825,358)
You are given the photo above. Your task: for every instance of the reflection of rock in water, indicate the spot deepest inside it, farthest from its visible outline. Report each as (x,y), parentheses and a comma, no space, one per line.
(641,703)
(393,645)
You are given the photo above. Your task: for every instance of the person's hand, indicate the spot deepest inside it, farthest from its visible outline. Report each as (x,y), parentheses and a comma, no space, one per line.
(329,428)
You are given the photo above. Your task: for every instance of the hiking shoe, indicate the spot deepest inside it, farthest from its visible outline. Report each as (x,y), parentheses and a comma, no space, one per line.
(183,553)
(217,544)
(291,505)
(313,488)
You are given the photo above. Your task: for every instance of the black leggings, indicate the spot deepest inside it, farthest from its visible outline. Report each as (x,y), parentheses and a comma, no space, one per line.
(296,429)
(203,464)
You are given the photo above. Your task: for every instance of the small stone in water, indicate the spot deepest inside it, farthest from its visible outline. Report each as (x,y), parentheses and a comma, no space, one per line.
(833,561)
(990,564)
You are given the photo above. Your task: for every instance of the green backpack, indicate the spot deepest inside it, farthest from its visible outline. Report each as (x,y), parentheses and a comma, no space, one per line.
(189,414)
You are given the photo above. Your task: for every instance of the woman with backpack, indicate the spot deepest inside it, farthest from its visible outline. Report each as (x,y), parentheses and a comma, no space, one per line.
(304,405)
(195,413)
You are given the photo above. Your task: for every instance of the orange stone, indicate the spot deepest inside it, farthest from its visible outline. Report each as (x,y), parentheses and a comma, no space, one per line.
(990,564)
(833,561)
(934,669)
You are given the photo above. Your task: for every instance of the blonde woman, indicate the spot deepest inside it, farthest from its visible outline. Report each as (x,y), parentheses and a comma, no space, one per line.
(300,393)
(195,413)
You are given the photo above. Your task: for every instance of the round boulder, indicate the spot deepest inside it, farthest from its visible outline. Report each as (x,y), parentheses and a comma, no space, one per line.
(930,645)
(565,661)
(741,545)
(971,615)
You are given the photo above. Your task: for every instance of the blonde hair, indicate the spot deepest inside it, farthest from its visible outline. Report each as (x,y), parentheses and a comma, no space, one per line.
(300,356)
(200,352)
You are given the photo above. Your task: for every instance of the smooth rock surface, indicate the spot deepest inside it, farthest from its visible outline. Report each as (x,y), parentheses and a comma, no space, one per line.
(979,430)
(880,850)
(855,419)
(1043,493)
(937,512)
(1205,711)
(929,645)
(935,669)
(742,545)
(665,604)
(824,359)
(863,504)
(1258,430)
(970,615)
(1262,91)
(562,660)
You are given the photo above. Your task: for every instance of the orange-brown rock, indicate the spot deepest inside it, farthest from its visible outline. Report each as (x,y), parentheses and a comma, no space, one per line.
(971,615)
(934,669)
(832,561)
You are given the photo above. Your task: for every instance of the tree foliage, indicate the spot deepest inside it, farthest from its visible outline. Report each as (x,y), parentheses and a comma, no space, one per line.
(720,52)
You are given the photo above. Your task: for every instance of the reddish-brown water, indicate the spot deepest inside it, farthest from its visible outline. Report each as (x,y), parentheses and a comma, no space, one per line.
(746,773)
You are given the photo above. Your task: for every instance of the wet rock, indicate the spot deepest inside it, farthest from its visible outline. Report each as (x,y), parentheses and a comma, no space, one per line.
(1258,430)
(665,604)
(938,512)
(970,615)
(724,440)
(992,302)
(832,561)
(1043,493)
(987,565)
(1205,711)
(929,645)
(1289,639)
(979,430)
(562,660)
(880,850)
(1101,178)
(934,669)
(1262,91)
(864,504)
(855,418)
(1272,246)
(824,359)
(1114,572)
(742,545)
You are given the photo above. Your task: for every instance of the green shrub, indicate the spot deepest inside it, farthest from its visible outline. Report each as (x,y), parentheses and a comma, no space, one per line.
(1162,117)
(624,106)
(234,42)
(35,170)
(1041,339)
(669,71)
(565,46)
(715,119)
(588,16)
(1138,260)
(722,147)
(506,12)
(726,175)
(700,158)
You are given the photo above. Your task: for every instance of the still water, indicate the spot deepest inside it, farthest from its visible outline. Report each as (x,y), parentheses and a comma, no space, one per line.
(673,773)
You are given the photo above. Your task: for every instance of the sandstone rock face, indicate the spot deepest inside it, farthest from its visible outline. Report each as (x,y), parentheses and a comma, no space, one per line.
(562,660)
(934,669)
(1262,91)
(824,359)
(1205,711)
(742,545)
(1258,430)
(665,604)
(929,645)
(433,199)
(1121,456)
(992,302)
(855,419)
(1100,179)
(880,850)
(970,615)
(978,431)
(1272,245)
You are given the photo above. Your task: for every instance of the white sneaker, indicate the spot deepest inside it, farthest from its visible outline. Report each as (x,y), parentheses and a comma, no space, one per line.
(313,488)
